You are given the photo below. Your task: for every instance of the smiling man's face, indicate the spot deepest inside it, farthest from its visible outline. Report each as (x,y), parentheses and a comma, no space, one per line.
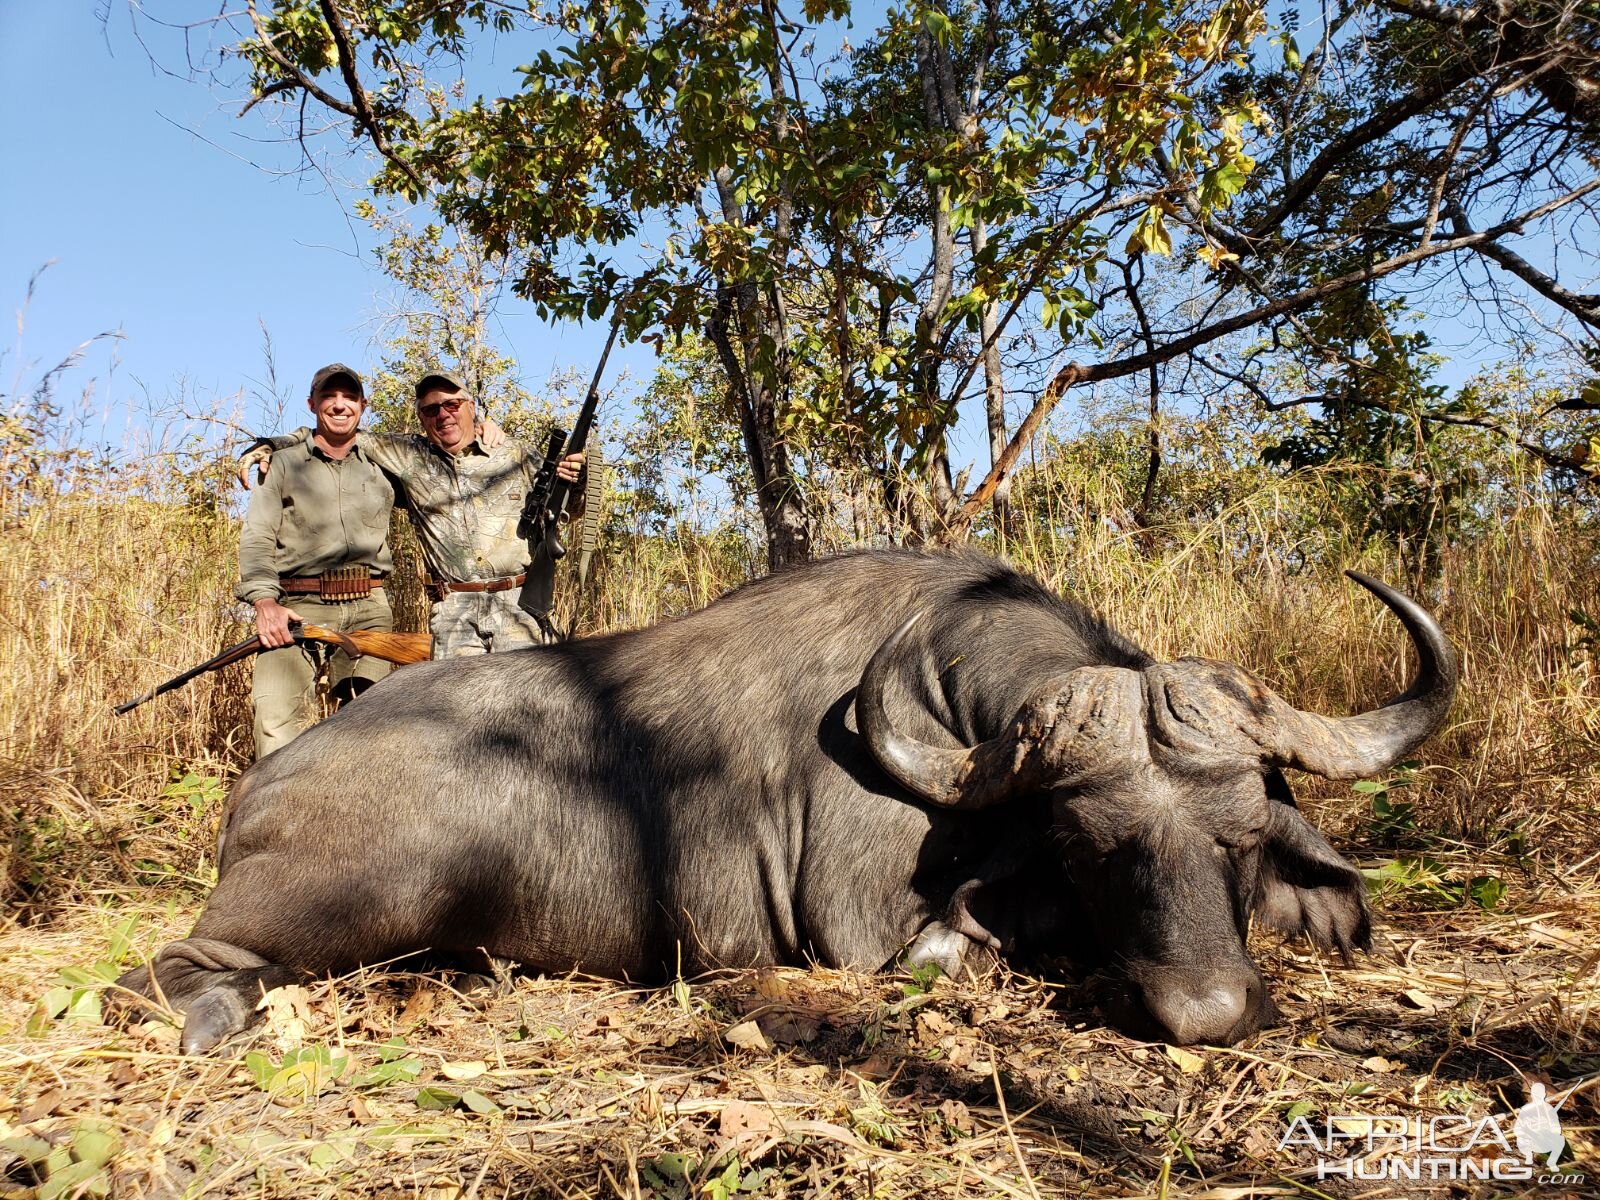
(337,406)
(449,417)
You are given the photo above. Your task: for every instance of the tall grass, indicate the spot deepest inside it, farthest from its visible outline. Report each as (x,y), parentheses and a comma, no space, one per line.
(116,578)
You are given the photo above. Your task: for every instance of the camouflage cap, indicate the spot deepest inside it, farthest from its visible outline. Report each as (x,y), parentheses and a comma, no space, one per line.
(434,376)
(334,371)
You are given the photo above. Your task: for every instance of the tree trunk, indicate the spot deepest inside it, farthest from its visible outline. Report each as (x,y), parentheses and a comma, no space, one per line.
(994,397)
(777,491)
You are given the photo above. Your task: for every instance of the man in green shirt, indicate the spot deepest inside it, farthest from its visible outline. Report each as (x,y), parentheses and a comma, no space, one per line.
(315,547)
(463,491)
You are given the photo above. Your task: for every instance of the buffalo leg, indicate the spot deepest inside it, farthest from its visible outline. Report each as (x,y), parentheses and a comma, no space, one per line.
(216,985)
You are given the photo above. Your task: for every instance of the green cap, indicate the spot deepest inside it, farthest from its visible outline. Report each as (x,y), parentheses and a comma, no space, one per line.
(335,371)
(435,376)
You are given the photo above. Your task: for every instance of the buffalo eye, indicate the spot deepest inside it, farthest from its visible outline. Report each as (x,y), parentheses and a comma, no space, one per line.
(1244,843)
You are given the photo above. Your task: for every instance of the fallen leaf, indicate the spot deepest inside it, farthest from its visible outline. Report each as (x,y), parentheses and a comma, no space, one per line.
(1188,1063)
(437,1099)
(772,985)
(1258,1143)
(747,1035)
(931,1027)
(418,1006)
(463,1070)
(1420,999)
(42,1107)
(1380,1064)
(288,1016)
(479,1103)
(160,1036)
(955,1116)
(740,1118)
(359,1112)
(786,1026)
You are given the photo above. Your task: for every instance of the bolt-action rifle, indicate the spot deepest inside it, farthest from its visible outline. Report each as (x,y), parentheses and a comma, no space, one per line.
(398,648)
(544,511)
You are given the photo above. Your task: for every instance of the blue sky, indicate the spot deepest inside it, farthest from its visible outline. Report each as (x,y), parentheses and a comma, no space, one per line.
(168,217)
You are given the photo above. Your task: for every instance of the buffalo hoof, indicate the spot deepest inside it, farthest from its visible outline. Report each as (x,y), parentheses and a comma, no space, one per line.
(213,1018)
(942,946)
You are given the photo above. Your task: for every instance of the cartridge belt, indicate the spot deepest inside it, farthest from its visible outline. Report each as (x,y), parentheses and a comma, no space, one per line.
(336,586)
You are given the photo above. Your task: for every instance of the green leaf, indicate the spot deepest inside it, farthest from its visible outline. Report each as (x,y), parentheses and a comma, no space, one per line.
(95,1142)
(260,1068)
(479,1103)
(1486,891)
(51,1005)
(74,1179)
(29,1148)
(85,1008)
(395,1070)
(437,1099)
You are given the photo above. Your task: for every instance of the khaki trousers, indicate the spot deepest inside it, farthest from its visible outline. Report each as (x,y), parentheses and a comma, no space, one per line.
(285,688)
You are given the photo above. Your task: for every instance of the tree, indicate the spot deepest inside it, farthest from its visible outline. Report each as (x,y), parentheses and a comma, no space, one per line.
(862,232)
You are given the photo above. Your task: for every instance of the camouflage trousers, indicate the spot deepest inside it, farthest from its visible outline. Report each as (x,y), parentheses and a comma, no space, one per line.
(466,623)
(284,690)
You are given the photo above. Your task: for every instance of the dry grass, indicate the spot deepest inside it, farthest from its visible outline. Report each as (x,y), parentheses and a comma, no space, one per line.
(857,1085)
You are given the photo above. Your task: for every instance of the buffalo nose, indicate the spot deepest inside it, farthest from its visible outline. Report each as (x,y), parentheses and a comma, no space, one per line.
(1208,1008)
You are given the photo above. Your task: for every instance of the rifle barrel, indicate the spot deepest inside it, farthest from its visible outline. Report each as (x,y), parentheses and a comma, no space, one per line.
(232,654)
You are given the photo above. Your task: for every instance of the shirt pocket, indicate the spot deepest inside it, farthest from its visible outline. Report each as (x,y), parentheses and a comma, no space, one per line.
(374,501)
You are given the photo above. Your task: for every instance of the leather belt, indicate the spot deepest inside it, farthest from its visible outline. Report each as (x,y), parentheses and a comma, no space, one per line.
(438,589)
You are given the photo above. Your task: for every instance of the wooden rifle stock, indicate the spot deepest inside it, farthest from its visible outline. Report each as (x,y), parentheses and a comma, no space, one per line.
(398,648)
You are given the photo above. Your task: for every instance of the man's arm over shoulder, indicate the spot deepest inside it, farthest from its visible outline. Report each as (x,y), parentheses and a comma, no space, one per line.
(400,454)
(259,453)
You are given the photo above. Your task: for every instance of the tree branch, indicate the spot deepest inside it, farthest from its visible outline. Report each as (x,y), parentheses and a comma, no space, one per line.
(1075,373)
(358,96)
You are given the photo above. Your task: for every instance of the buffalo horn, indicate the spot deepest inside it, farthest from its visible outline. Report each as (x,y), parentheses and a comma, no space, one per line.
(1372,742)
(972,778)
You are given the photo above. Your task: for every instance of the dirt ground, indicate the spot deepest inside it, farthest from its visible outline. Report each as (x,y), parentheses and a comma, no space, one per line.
(810,1082)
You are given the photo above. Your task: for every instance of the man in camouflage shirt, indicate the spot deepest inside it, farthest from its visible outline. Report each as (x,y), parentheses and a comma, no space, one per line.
(465,500)
(318,525)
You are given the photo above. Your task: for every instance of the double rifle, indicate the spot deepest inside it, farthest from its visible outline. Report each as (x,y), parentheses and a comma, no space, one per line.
(398,648)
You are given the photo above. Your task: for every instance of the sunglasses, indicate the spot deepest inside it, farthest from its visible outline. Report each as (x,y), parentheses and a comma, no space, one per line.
(429,411)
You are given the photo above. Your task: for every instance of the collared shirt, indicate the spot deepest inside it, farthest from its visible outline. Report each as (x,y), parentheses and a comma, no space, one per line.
(313,513)
(465,507)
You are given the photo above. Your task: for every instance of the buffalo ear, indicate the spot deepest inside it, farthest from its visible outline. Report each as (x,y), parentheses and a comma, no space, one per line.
(1305,887)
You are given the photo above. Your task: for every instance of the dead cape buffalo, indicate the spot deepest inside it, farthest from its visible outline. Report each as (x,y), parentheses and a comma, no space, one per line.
(883,749)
